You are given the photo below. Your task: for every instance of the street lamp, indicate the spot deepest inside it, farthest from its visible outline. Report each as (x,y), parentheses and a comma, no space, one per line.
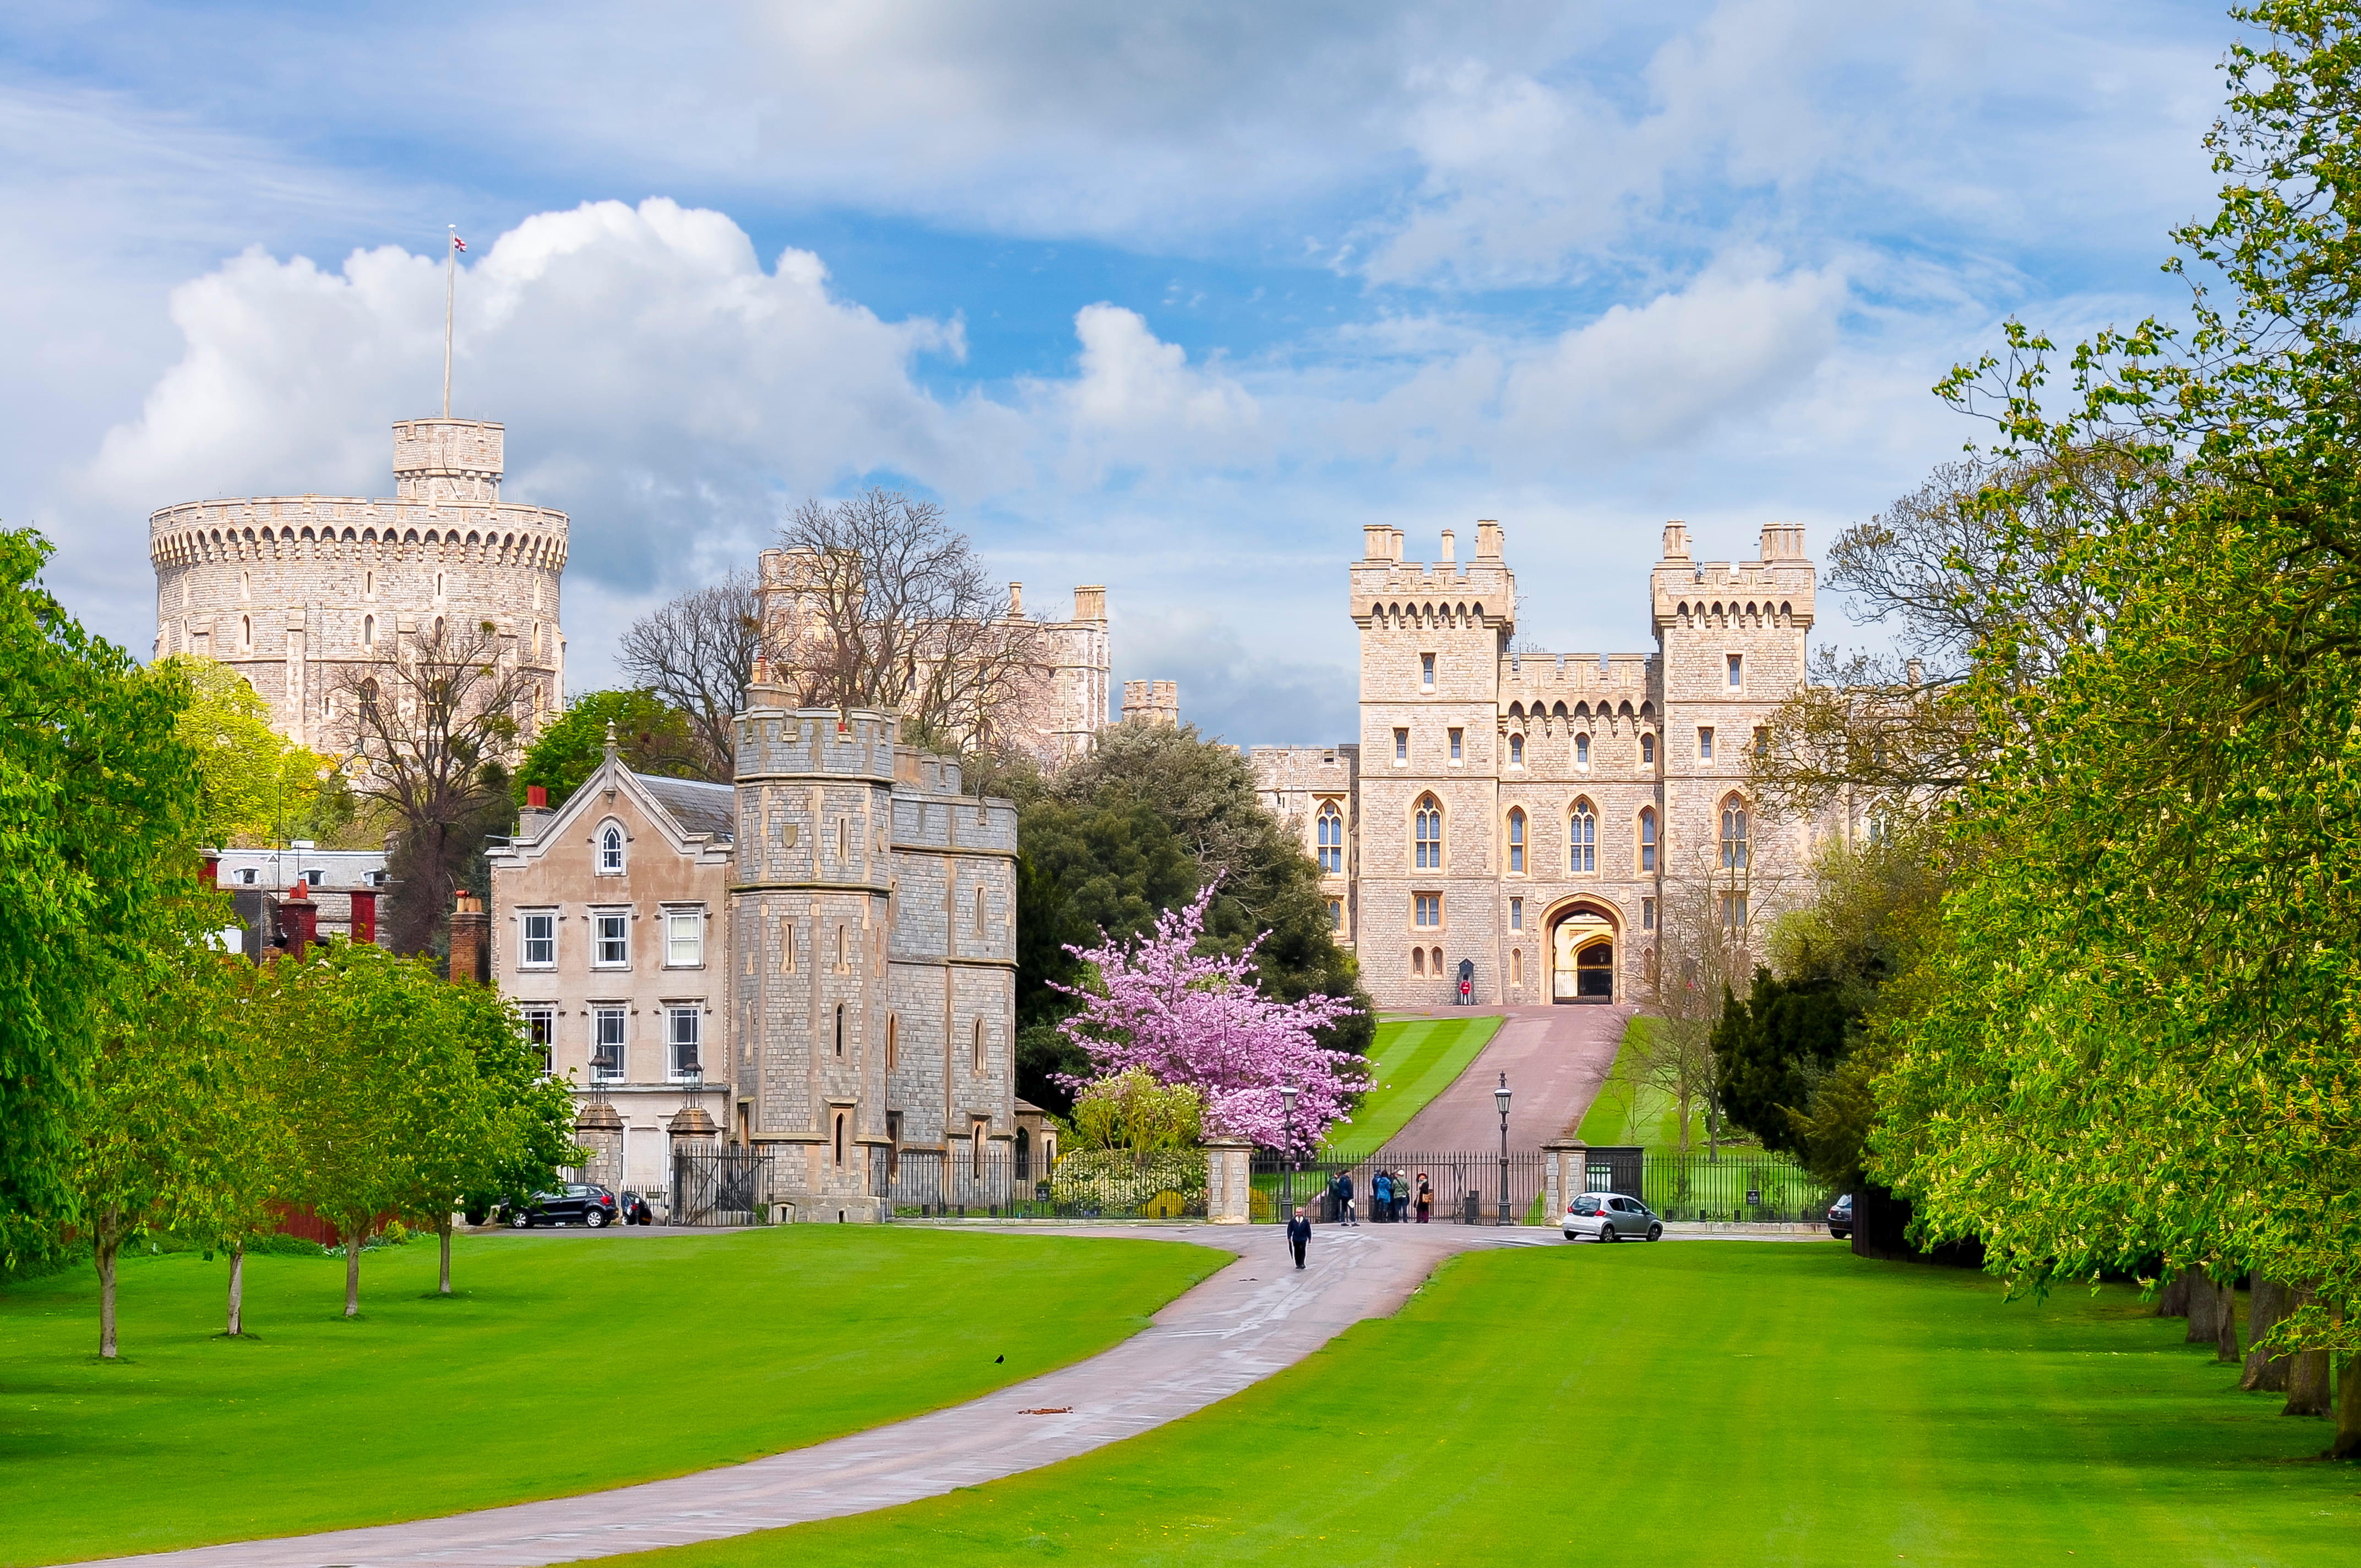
(1287,1092)
(1500,1096)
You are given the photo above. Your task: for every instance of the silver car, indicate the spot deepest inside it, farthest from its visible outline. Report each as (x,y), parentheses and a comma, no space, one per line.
(1610,1217)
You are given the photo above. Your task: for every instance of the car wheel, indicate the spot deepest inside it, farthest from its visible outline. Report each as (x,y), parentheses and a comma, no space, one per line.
(595,1218)
(520,1221)
(1655,1232)
(1607,1232)
(1572,1236)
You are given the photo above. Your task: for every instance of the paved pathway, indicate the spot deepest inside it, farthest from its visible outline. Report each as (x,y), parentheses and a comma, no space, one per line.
(1556,1059)
(1251,1320)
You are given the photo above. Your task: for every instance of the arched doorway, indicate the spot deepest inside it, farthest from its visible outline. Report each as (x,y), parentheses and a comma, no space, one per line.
(1583,942)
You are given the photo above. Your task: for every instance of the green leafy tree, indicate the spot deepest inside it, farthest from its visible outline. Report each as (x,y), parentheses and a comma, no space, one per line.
(256,787)
(649,738)
(248,1150)
(97,830)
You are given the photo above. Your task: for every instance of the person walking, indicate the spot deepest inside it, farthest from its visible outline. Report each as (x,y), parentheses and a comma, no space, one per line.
(1298,1234)
(1425,1200)
(1345,1199)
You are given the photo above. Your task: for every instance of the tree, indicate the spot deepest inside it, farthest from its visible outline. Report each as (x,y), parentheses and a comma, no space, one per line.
(1131,1113)
(435,728)
(250,1157)
(649,738)
(97,816)
(255,786)
(881,604)
(1187,1018)
(695,654)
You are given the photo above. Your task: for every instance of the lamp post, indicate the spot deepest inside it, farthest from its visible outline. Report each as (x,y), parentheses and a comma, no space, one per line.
(1500,1095)
(1287,1092)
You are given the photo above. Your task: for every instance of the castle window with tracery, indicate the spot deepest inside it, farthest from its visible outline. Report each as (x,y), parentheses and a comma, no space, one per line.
(1516,842)
(1331,832)
(1647,837)
(1426,835)
(1582,839)
(1733,835)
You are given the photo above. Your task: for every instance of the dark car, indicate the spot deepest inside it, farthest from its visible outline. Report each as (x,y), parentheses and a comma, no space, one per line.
(576,1203)
(1841,1218)
(636,1210)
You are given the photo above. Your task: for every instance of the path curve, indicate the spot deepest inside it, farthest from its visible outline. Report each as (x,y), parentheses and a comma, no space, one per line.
(1555,1058)
(1254,1318)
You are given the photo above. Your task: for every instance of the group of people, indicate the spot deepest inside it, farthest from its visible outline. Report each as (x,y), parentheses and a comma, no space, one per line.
(1391,1198)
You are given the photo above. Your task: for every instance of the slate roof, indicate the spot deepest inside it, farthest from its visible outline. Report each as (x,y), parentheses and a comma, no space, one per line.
(697,807)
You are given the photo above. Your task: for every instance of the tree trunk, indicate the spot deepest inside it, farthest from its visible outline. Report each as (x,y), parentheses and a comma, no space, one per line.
(104,1253)
(2204,1310)
(2266,1303)
(2174,1301)
(2348,1442)
(237,1291)
(2307,1373)
(443,1227)
(353,1270)
(2225,1325)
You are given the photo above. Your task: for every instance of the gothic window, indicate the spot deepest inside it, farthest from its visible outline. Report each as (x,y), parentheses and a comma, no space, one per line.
(892,1040)
(840,1138)
(246,631)
(1516,751)
(1516,915)
(369,632)
(1582,839)
(1737,670)
(1647,915)
(975,1051)
(1426,837)
(1517,840)
(1458,738)
(1426,671)
(610,849)
(1733,835)
(1434,961)
(1402,747)
(839,1017)
(1516,966)
(1582,751)
(1418,960)
(1331,833)
(1705,743)
(1733,913)
(368,702)
(1648,751)
(1336,916)
(1647,837)
(979,912)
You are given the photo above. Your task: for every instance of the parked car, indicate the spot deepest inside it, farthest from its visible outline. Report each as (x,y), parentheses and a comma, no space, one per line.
(1610,1217)
(1841,1218)
(577,1202)
(636,1210)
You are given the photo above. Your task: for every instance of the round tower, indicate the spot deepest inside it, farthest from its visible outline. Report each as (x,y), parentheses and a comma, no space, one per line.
(293,591)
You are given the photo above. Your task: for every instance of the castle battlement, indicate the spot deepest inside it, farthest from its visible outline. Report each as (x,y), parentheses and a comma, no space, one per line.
(1384,586)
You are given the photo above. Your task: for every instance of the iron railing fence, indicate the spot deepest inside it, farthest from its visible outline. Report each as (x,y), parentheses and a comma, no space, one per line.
(1084,1185)
(1736,1186)
(1465,1185)
(721,1185)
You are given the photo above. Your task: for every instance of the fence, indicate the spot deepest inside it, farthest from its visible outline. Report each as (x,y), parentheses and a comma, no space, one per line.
(1466,1186)
(1698,1186)
(1007,1185)
(723,1185)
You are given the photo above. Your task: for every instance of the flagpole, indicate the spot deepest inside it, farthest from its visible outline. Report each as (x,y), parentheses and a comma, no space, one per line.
(450,295)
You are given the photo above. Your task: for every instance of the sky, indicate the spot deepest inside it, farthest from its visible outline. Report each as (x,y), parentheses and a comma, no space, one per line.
(1174,299)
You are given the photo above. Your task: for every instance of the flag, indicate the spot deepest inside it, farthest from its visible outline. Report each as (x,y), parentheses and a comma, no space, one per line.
(456,242)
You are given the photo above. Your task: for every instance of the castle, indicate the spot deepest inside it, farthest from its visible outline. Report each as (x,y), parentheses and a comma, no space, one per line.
(299,594)
(1527,823)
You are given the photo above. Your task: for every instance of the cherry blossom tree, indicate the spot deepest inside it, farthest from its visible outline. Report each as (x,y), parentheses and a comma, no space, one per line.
(1192,1018)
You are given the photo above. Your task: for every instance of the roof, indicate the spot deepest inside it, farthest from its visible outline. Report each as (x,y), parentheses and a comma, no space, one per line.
(697,805)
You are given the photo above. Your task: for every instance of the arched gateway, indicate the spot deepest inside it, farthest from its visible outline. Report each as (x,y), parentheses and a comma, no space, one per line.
(1583,938)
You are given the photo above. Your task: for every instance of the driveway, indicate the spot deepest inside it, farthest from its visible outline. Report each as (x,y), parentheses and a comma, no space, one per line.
(1556,1059)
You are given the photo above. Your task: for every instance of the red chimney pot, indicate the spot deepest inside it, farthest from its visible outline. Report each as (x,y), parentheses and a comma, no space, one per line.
(536,796)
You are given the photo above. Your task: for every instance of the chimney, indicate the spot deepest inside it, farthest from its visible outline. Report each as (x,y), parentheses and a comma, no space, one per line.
(1783,542)
(365,916)
(1377,541)
(471,939)
(209,867)
(299,919)
(536,813)
(537,797)
(1016,598)
(1450,548)
(1090,602)
(1918,674)
(1676,541)
(1488,539)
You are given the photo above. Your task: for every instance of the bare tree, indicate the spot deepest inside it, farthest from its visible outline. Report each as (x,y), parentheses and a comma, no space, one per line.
(880,603)
(696,654)
(435,728)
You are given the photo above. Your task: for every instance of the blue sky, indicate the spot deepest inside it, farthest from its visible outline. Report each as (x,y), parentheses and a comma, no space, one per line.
(1173,299)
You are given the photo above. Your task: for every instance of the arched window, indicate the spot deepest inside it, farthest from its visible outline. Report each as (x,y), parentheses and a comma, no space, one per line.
(369,632)
(1648,751)
(1516,966)
(844,838)
(1582,751)
(440,584)
(1331,827)
(839,948)
(1427,834)
(1516,751)
(840,1138)
(1647,837)
(610,849)
(1582,839)
(839,1015)
(892,1040)
(1434,961)
(368,702)
(1418,960)
(979,911)
(1517,840)
(1733,834)
(246,631)
(975,1052)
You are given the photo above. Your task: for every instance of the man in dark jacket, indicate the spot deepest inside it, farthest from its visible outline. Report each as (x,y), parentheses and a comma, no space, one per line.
(1298,1234)
(1344,1199)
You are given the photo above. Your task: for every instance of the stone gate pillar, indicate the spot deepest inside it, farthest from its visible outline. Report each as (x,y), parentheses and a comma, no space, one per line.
(598,1127)
(1568,1172)
(1229,1180)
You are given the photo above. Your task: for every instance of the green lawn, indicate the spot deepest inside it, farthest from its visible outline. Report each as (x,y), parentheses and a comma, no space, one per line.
(1691,1403)
(1414,1059)
(568,1363)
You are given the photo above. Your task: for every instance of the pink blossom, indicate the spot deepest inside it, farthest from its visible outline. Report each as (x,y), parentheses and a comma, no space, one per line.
(1199,1020)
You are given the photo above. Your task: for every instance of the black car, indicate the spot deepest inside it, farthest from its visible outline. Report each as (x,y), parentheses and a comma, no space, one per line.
(577,1202)
(1841,1218)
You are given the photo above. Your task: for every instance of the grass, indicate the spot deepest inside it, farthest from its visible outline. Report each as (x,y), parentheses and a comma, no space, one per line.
(566,1364)
(1691,1403)
(1413,1060)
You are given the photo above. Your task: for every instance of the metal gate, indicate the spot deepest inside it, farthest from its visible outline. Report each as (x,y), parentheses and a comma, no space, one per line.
(1464,1186)
(721,1186)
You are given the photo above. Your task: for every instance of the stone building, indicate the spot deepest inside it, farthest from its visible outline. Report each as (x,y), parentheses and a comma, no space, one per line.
(295,591)
(815,962)
(1151,702)
(1525,820)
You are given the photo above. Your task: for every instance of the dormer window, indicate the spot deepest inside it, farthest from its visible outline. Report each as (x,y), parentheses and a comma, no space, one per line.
(610,849)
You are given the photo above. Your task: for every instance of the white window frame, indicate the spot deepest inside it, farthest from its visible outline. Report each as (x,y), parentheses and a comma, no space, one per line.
(598,919)
(542,1015)
(526,939)
(692,920)
(692,1015)
(601,1014)
(611,840)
